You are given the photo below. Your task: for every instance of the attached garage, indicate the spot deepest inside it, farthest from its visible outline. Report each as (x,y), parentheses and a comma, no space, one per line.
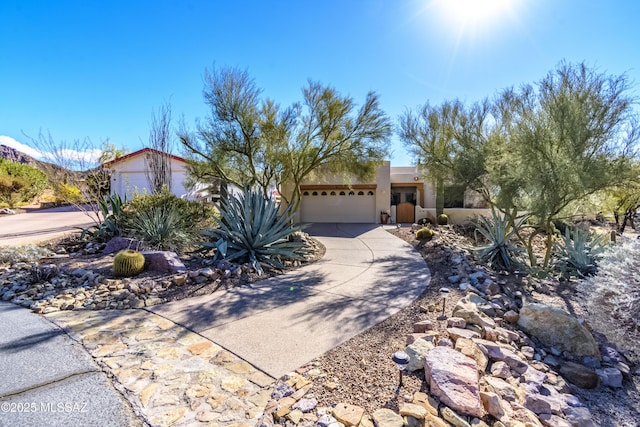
(338,204)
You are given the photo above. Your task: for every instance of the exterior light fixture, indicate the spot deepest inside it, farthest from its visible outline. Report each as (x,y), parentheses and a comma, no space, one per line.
(444,292)
(401,359)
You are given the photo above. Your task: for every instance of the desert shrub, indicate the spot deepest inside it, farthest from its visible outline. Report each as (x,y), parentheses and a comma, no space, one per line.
(577,253)
(612,295)
(166,222)
(443,219)
(197,214)
(501,252)
(67,193)
(162,228)
(250,230)
(112,215)
(425,221)
(20,183)
(425,234)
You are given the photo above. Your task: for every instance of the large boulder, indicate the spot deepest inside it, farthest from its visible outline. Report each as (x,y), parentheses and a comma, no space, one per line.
(555,328)
(453,378)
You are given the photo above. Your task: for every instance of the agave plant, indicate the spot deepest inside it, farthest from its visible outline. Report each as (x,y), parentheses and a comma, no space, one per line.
(251,231)
(578,252)
(501,253)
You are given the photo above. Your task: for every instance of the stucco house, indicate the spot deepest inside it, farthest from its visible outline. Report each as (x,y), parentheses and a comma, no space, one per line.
(129,173)
(404,192)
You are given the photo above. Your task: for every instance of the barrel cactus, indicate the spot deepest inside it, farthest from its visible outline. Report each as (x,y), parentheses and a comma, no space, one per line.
(128,263)
(425,234)
(443,219)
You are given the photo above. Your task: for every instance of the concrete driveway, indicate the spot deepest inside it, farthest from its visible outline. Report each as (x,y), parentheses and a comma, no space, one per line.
(281,323)
(40,225)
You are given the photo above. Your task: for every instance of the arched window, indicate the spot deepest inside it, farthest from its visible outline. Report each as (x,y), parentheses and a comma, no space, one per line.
(306,193)
(360,193)
(324,193)
(342,193)
(351,193)
(370,193)
(315,193)
(333,193)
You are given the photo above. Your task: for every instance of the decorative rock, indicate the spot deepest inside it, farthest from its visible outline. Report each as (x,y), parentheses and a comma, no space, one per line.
(554,327)
(468,310)
(422,326)
(413,410)
(610,377)
(471,349)
(579,416)
(456,322)
(501,370)
(427,402)
(456,333)
(306,405)
(453,418)
(453,378)
(579,375)
(282,390)
(416,353)
(387,418)
(492,404)
(349,415)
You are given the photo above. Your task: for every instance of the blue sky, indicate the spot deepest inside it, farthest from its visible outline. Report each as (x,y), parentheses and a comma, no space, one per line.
(97,69)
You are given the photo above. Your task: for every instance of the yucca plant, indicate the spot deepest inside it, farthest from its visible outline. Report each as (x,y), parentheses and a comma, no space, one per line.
(501,253)
(111,210)
(162,227)
(251,231)
(578,252)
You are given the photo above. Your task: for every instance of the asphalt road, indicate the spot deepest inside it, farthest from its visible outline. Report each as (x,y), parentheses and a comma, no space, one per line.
(41,225)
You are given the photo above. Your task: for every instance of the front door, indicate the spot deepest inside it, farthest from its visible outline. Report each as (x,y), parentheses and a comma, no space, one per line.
(405,213)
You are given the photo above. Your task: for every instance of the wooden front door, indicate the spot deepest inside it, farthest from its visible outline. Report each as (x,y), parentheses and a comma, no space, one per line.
(405,213)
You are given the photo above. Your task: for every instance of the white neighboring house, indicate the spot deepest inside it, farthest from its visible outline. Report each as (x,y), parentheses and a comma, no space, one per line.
(129,174)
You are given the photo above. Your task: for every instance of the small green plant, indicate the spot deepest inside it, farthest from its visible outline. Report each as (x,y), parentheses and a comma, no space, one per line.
(251,231)
(578,252)
(443,219)
(128,263)
(501,253)
(425,234)
(425,221)
(111,212)
(161,228)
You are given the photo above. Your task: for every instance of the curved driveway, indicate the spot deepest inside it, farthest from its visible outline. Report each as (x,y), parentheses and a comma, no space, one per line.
(281,323)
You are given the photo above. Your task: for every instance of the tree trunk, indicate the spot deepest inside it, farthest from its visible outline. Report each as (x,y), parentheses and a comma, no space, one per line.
(439,196)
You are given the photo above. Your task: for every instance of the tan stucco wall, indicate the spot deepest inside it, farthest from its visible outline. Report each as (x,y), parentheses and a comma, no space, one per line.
(456,216)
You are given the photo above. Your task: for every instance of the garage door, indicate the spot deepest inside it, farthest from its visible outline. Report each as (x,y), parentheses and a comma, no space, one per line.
(132,182)
(338,206)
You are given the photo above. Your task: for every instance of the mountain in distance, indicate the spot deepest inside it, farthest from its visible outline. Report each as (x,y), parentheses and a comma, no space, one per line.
(14,155)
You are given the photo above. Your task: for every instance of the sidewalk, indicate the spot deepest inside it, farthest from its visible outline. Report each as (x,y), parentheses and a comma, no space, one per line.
(48,379)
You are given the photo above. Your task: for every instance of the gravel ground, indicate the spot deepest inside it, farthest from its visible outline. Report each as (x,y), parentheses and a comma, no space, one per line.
(360,371)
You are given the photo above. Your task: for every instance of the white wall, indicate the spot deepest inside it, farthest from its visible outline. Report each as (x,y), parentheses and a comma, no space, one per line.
(128,176)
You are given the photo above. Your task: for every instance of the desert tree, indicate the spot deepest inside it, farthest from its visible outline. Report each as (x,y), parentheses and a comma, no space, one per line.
(451,141)
(569,136)
(161,142)
(248,140)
